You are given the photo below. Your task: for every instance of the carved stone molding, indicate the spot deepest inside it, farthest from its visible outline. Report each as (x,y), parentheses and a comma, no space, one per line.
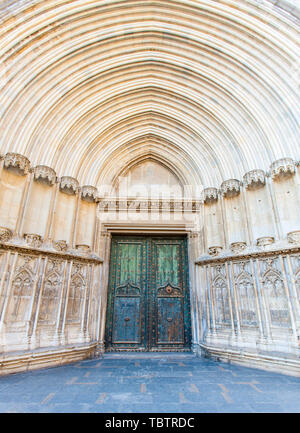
(230,188)
(237,247)
(89,193)
(45,173)
(254,179)
(264,241)
(210,195)
(33,240)
(5,234)
(215,251)
(69,185)
(148,205)
(282,168)
(18,161)
(60,245)
(294,237)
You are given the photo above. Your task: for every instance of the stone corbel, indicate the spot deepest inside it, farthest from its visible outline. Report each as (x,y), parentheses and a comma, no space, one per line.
(283,168)
(210,195)
(69,185)
(15,160)
(89,193)
(254,179)
(230,188)
(42,172)
(84,249)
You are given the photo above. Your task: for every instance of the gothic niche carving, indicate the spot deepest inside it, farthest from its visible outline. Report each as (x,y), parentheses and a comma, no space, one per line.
(69,185)
(246,294)
(44,174)
(230,188)
(275,295)
(254,179)
(220,292)
(33,240)
(283,168)
(18,162)
(76,293)
(5,234)
(51,292)
(22,287)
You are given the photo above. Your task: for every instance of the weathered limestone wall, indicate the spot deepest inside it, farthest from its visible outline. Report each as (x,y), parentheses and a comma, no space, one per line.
(49,280)
(248,287)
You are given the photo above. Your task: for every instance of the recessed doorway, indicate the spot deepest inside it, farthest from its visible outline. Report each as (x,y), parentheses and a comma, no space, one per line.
(148,294)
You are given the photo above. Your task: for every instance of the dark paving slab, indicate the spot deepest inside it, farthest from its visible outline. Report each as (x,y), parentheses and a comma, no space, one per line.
(149,383)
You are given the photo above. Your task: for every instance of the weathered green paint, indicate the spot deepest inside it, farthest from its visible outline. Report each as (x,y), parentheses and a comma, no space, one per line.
(148,296)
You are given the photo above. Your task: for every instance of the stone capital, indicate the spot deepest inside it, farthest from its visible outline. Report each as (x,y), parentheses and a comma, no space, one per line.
(282,168)
(69,185)
(43,172)
(230,188)
(18,161)
(254,179)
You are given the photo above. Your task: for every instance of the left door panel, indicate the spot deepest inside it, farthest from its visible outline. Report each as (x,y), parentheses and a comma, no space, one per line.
(126,313)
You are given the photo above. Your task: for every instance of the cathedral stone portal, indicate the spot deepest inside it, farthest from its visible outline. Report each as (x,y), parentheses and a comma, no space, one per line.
(149,181)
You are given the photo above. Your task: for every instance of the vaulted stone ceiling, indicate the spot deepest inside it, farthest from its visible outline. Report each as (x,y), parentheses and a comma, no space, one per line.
(208,88)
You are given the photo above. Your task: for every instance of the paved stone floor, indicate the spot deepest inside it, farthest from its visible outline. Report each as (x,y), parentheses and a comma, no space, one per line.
(160,383)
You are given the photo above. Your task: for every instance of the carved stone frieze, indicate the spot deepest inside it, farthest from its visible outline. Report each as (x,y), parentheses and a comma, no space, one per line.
(69,185)
(230,188)
(89,193)
(215,251)
(237,247)
(264,241)
(18,161)
(33,240)
(210,195)
(254,179)
(5,234)
(60,245)
(42,172)
(282,168)
(294,237)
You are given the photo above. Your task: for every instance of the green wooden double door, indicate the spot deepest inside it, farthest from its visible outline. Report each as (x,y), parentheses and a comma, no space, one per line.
(148,295)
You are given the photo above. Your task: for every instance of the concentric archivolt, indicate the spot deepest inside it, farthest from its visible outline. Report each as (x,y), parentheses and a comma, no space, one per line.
(209,88)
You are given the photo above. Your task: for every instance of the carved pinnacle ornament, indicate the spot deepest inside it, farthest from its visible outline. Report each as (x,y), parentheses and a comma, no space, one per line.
(282,168)
(69,185)
(18,161)
(230,188)
(45,173)
(89,193)
(210,195)
(254,179)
